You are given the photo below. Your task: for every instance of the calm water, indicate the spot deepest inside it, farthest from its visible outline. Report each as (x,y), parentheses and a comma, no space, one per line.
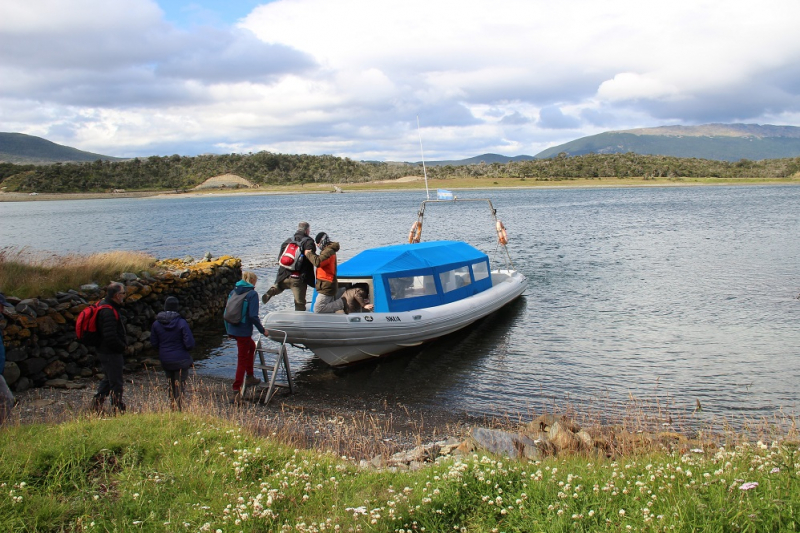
(668,294)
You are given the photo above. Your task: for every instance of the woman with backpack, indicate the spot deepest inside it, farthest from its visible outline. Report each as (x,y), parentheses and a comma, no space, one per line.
(173,338)
(241,315)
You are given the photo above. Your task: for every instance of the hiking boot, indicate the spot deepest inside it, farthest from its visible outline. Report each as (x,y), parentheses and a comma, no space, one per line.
(120,407)
(252,381)
(269,294)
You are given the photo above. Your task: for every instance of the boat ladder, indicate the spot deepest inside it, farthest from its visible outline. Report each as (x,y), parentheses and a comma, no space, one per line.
(278,373)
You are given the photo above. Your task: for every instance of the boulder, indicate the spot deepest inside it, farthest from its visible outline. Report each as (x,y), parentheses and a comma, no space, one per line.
(32,366)
(56,383)
(47,326)
(56,368)
(11,373)
(563,438)
(505,443)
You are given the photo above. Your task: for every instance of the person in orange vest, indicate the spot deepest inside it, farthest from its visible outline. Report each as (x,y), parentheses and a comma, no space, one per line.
(327,284)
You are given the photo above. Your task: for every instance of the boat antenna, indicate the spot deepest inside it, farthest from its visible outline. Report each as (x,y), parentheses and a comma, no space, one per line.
(424,172)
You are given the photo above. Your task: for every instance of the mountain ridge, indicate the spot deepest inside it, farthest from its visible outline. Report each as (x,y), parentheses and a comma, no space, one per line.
(722,142)
(22,149)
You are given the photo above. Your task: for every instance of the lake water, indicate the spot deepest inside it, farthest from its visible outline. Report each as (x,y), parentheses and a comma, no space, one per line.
(666,294)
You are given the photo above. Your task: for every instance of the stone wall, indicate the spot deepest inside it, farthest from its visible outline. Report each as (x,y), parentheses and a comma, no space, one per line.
(39,333)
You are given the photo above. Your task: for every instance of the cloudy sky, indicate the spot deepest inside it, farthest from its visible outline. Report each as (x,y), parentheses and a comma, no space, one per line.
(352,77)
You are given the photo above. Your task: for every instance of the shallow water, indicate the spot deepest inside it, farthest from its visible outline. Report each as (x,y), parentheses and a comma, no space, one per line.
(675,294)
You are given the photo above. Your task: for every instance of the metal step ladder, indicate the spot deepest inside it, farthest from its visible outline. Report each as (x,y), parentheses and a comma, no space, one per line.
(272,372)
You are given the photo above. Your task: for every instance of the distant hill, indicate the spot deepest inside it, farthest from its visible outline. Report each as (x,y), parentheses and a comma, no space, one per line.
(27,149)
(721,142)
(485,158)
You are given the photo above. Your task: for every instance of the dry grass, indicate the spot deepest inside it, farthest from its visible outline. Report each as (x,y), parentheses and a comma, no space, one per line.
(27,274)
(629,429)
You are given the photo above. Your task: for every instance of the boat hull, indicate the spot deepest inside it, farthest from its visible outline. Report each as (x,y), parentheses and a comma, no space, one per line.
(340,339)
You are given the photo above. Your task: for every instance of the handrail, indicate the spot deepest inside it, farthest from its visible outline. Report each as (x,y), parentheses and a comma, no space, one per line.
(421,215)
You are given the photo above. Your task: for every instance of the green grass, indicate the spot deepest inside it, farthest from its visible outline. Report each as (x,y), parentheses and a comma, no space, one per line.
(28,275)
(182,472)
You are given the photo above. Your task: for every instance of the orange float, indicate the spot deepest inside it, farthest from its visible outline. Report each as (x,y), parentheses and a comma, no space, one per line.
(502,236)
(415,233)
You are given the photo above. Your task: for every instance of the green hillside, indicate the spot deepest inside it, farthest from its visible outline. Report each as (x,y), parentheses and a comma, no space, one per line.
(485,158)
(721,142)
(27,149)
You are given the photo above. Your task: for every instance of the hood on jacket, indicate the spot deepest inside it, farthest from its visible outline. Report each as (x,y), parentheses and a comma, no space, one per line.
(168,318)
(243,286)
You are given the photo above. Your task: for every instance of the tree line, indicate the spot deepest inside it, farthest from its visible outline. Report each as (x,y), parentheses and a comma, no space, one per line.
(265,168)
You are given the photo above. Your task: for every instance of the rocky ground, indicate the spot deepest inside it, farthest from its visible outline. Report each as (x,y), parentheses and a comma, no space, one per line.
(351,428)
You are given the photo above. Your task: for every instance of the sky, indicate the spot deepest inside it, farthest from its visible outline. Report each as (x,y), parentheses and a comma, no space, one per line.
(384,80)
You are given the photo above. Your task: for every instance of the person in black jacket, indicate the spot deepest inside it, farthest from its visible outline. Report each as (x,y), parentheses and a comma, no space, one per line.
(111,350)
(173,339)
(296,280)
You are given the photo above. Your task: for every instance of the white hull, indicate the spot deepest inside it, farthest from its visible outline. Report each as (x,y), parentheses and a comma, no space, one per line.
(340,339)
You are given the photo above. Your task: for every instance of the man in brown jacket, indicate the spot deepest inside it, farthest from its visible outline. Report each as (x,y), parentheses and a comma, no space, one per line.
(327,284)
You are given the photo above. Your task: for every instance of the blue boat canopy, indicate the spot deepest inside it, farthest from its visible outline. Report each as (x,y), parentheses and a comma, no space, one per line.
(414,276)
(404,257)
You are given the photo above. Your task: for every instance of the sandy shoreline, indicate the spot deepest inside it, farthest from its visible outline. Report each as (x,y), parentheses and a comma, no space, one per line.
(411,183)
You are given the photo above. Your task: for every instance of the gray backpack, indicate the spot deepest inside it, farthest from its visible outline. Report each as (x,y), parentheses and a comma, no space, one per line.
(236,308)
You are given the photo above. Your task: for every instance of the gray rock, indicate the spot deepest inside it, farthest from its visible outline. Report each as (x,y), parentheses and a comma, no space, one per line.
(32,366)
(586,440)
(90,287)
(207,256)
(128,276)
(25,309)
(16,355)
(72,385)
(563,438)
(11,373)
(22,385)
(498,442)
(56,383)
(188,259)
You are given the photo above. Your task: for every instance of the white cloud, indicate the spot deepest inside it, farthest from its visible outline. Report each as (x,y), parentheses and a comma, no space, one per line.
(350,77)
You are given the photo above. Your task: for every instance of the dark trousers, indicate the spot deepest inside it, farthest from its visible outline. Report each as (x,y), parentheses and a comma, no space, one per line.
(112,382)
(177,386)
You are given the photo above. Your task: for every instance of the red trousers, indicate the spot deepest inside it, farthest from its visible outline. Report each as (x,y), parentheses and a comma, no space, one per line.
(244,360)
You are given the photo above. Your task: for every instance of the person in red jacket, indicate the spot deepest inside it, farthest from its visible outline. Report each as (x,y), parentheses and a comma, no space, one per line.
(172,337)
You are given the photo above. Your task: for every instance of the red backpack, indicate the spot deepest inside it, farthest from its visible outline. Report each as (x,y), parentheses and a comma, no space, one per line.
(293,256)
(86,324)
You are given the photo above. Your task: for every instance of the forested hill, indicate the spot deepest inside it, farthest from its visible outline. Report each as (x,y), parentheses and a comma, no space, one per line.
(724,142)
(176,172)
(29,149)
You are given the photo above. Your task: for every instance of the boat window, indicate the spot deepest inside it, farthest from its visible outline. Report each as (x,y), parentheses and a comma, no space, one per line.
(411,286)
(455,279)
(480,271)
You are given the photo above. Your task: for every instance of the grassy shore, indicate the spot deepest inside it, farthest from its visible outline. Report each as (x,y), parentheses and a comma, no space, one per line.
(189,472)
(27,274)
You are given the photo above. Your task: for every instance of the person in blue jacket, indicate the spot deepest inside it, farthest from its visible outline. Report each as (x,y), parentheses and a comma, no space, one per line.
(173,338)
(243,332)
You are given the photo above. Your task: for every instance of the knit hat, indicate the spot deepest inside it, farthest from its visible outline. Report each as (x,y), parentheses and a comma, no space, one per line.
(322,238)
(171,304)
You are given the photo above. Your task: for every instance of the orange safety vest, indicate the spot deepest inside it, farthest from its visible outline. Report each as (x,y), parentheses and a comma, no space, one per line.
(326,271)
